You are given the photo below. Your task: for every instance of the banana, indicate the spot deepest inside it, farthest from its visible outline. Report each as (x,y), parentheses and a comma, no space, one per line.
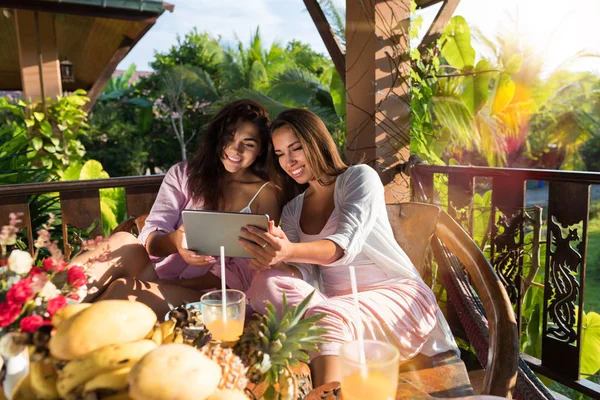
(115,356)
(178,336)
(68,311)
(167,327)
(42,376)
(156,335)
(119,396)
(23,390)
(114,380)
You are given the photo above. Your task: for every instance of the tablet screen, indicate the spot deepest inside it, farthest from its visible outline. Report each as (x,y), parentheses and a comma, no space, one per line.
(207,231)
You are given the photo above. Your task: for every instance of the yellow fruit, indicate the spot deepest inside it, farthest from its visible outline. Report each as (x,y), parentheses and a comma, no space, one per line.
(42,376)
(114,380)
(23,390)
(228,394)
(67,312)
(119,396)
(103,323)
(112,357)
(174,371)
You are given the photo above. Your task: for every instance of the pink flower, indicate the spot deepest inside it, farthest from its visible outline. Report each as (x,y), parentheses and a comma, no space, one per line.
(76,276)
(35,271)
(32,323)
(8,313)
(51,265)
(56,304)
(20,292)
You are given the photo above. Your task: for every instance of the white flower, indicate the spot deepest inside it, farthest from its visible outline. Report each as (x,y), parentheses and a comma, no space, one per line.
(49,291)
(20,262)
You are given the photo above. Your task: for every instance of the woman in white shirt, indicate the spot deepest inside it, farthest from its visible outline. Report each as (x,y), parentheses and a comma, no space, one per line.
(338,218)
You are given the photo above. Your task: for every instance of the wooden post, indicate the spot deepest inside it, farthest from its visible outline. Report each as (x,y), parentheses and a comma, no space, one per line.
(378,113)
(38,55)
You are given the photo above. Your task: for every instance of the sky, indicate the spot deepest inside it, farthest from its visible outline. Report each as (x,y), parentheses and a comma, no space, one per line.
(558,28)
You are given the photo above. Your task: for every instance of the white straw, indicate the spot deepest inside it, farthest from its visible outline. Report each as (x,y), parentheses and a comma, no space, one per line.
(361,343)
(223,285)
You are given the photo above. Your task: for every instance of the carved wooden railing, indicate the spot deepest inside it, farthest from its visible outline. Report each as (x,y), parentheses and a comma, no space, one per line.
(566,244)
(79,201)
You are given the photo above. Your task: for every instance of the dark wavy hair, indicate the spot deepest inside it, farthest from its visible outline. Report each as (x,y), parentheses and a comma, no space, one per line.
(319,149)
(206,171)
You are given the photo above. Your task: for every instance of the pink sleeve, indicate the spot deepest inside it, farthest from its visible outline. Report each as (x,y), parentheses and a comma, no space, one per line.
(172,198)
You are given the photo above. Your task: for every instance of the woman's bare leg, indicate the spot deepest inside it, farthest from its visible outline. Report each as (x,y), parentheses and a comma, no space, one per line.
(122,255)
(158,296)
(325,369)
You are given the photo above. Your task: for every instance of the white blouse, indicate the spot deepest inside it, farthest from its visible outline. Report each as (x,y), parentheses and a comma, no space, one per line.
(359,224)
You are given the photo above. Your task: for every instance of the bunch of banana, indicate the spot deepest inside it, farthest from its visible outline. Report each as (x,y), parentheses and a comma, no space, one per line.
(166,332)
(104,370)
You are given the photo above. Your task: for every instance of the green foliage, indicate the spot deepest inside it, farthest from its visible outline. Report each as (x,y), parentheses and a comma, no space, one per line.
(112,200)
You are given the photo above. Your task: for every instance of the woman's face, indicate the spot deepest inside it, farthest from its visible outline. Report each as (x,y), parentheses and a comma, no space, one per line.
(290,154)
(242,150)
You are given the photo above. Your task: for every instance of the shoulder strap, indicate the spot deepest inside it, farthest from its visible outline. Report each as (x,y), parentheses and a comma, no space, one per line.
(257,193)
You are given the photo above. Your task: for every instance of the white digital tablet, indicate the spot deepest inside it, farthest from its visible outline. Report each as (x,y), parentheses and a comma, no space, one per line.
(207,231)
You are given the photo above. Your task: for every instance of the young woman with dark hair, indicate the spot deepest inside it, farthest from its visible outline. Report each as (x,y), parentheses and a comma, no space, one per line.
(229,172)
(338,218)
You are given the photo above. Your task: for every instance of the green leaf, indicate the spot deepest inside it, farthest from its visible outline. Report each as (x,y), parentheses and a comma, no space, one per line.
(513,66)
(456,41)
(39,116)
(37,143)
(476,91)
(337,90)
(590,345)
(72,172)
(92,169)
(29,122)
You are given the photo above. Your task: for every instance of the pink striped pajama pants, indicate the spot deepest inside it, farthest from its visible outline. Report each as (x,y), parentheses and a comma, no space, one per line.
(402,312)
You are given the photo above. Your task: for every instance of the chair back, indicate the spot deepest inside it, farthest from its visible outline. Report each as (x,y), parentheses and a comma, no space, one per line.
(417,226)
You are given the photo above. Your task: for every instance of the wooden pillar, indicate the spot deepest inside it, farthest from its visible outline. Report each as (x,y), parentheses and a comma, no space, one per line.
(378,114)
(38,55)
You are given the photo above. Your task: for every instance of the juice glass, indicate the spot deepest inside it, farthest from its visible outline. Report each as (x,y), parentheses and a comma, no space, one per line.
(228,330)
(377,379)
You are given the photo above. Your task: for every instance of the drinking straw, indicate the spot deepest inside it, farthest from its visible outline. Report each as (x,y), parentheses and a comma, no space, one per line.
(361,343)
(223,285)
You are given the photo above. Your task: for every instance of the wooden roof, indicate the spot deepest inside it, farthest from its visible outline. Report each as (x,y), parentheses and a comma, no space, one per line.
(88,34)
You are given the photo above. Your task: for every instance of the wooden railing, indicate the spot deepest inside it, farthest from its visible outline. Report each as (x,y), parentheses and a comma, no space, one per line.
(79,201)
(510,219)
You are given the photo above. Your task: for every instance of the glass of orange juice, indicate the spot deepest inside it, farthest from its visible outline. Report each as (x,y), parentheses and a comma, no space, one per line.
(226,328)
(377,378)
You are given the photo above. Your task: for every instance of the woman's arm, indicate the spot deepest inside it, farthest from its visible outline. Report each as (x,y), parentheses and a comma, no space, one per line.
(160,234)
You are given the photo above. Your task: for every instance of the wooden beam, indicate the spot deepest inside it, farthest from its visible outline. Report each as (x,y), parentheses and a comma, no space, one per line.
(377,104)
(439,22)
(84,9)
(50,64)
(124,48)
(27,43)
(331,43)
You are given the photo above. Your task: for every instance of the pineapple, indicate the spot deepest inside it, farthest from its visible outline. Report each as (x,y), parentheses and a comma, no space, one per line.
(234,371)
(269,346)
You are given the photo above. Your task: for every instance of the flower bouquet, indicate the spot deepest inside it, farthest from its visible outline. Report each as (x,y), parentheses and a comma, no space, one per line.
(32,288)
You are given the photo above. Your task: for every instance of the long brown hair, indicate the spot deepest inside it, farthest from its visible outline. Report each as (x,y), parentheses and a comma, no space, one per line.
(206,171)
(319,148)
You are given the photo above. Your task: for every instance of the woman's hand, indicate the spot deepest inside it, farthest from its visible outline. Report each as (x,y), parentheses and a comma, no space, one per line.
(268,248)
(190,256)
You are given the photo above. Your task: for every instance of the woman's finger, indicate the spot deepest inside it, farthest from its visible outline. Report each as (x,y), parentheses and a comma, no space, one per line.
(263,236)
